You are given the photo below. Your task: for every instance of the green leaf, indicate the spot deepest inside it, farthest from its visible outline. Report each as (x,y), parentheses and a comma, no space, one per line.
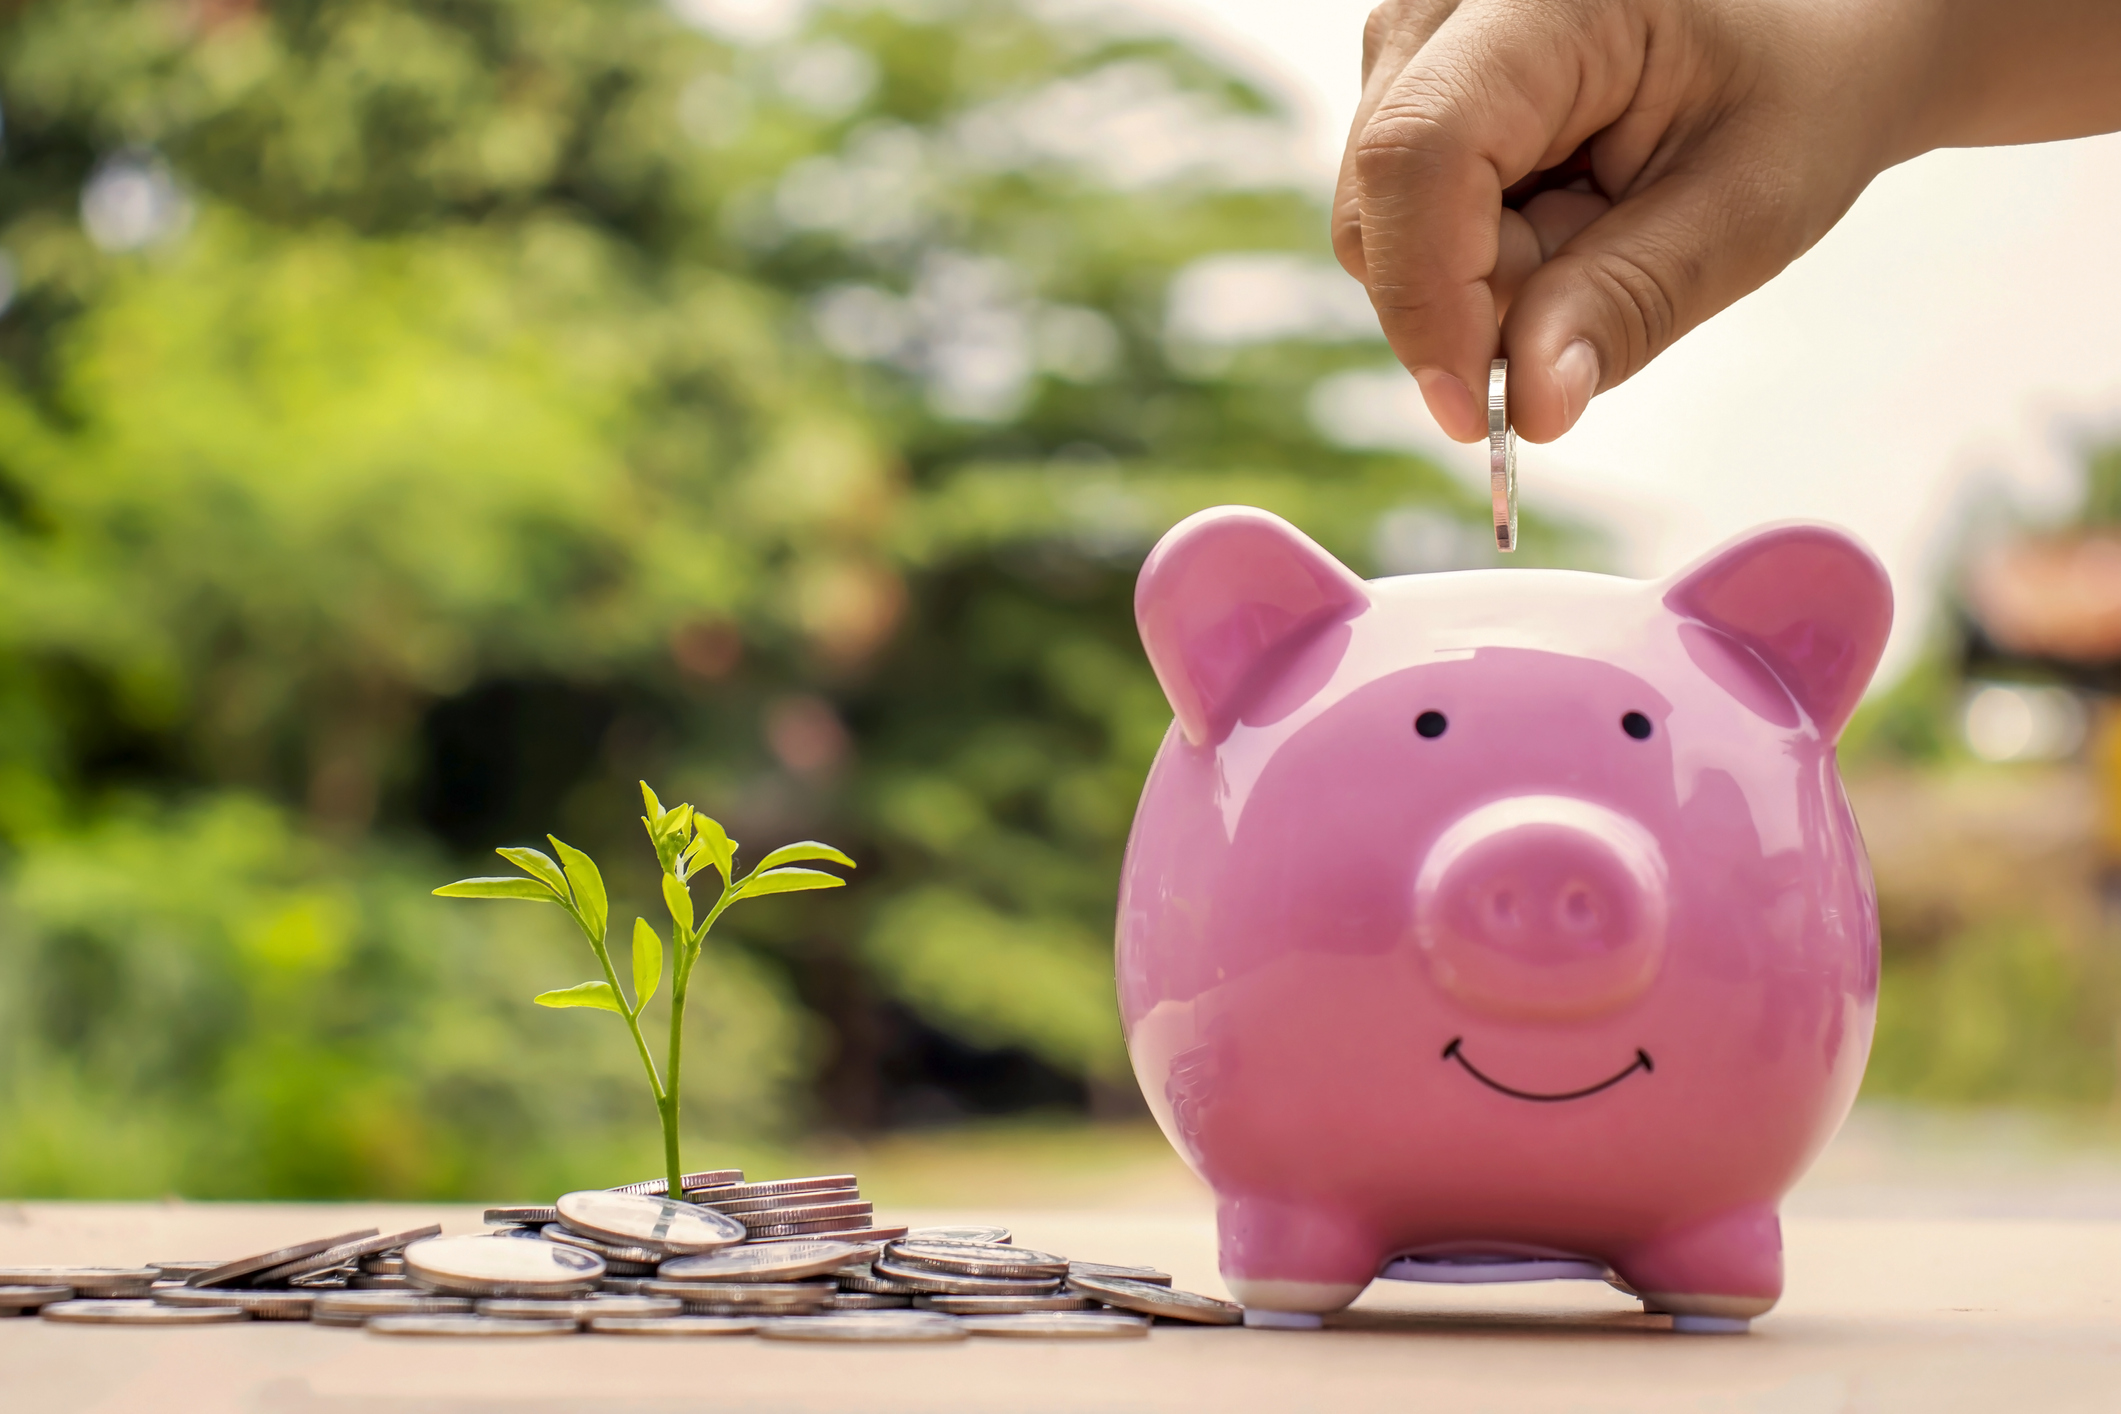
(596,994)
(510,887)
(670,835)
(678,899)
(537,863)
(721,850)
(666,845)
(788,881)
(796,853)
(647,963)
(588,887)
(689,862)
(653,806)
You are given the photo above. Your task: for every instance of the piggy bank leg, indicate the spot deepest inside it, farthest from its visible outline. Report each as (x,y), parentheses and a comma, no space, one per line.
(1714,1276)
(1288,1264)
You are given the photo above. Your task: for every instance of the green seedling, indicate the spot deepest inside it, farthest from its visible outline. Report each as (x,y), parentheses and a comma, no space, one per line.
(686,842)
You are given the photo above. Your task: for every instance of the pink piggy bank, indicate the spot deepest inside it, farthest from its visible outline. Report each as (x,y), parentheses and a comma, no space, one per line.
(1504,923)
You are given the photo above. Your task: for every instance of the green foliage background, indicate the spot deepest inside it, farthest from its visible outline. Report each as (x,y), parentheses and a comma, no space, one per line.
(789,419)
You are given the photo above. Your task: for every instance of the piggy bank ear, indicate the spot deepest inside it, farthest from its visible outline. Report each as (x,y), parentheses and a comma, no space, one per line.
(1224,596)
(1810,601)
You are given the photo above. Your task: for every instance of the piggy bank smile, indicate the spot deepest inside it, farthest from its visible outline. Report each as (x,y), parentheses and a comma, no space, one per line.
(1500,911)
(1455,1051)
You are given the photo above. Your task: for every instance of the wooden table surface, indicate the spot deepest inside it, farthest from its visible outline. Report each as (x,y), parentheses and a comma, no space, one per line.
(1892,1305)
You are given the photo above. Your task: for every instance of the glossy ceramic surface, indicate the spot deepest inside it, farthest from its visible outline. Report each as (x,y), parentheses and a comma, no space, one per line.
(1513,912)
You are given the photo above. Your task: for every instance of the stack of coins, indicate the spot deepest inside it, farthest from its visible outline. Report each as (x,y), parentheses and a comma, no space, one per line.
(792,1209)
(792,1258)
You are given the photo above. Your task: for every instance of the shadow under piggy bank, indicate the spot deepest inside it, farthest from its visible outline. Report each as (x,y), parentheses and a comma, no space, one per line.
(1503,924)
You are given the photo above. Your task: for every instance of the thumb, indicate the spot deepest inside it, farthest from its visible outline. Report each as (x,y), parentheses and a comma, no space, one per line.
(1626,287)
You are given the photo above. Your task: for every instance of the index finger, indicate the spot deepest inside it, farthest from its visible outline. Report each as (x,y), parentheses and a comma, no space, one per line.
(1391,36)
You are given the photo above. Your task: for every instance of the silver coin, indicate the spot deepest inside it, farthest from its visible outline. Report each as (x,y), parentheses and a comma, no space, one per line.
(804,1213)
(342,1254)
(872,1238)
(353,1308)
(1502,456)
(384,1264)
(1151,1300)
(880,1286)
(838,1227)
(1002,1305)
(501,1266)
(778,1261)
(1057,1325)
(579,1308)
(722,1193)
(756,1308)
(467,1326)
(958,1234)
(380,1281)
(957,1284)
(866,1326)
(660,1224)
(676,1325)
(29,1298)
(103,1283)
(741,1290)
(623,1286)
(140,1313)
(609,1251)
(736,1207)
(976,1259)
(521,1217)
(782,1305)
(869,1301)
(259,1305)
(330,1279)
(243,1268)
(185,1268)
(657,1187)
(1105,1269)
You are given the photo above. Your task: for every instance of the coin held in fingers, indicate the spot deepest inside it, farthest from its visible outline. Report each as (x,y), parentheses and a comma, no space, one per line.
(1502,456)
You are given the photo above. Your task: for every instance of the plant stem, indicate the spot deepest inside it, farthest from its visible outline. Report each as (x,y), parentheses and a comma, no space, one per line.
(680,977)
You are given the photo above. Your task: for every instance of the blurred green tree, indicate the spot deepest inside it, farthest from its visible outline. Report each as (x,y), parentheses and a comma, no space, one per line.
(421,420)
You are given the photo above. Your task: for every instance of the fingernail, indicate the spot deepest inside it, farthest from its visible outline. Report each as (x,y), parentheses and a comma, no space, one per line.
(1451,405)
(1576,370)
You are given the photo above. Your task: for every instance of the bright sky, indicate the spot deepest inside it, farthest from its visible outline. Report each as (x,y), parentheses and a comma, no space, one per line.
(1952,340)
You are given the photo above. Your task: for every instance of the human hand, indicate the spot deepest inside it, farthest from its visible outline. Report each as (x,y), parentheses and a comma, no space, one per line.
(1718,142)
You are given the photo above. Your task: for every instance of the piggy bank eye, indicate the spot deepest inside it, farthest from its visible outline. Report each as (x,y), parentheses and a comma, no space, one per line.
(1636,725)
(1430,724)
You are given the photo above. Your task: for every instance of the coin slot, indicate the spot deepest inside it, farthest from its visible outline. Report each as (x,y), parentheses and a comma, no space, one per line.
(1431,724)
(1636,725)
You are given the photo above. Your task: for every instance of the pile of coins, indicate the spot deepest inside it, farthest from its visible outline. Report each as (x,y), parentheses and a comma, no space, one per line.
(790,1259)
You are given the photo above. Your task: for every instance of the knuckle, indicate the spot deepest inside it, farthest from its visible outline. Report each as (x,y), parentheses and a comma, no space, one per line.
(1400,144)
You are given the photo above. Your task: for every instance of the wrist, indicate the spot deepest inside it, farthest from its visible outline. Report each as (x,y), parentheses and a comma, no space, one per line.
(1999,72)
(1909,67)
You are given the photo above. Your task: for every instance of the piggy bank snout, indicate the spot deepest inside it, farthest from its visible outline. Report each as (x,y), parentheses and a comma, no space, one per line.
(1542,906)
